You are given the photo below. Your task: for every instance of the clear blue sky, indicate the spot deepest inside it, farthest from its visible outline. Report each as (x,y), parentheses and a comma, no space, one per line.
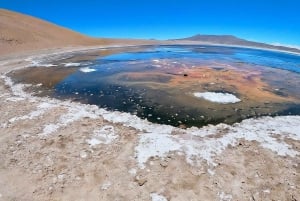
(260,20)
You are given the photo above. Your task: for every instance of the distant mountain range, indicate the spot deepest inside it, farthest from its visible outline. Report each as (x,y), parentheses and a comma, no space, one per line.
(232,40)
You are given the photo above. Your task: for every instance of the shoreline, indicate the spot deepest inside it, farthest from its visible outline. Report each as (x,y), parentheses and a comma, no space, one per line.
(239,46)
(91,139)
(47,60)
(70,49)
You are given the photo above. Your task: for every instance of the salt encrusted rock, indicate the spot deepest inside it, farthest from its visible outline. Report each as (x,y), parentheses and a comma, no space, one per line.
(164,163)
(83,154)
(106,185)
(141,180)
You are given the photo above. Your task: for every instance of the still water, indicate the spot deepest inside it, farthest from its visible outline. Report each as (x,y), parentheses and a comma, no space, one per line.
(160,83)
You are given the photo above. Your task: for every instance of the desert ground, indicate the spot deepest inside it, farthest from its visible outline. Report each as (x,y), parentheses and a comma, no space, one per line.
(62,150)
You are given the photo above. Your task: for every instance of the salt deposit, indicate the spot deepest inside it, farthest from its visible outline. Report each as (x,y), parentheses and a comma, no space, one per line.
(87,70)
(157,197)
(72,64)
(223,98)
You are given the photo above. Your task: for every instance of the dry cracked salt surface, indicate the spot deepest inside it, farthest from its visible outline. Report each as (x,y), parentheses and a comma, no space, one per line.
(61,150)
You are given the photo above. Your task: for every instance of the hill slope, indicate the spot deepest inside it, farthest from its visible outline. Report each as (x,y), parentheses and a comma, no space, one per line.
(19,32)
(232,40)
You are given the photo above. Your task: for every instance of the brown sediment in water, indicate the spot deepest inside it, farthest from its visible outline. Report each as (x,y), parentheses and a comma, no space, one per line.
(248,85)
(144,77)
(257,96)
(48,77)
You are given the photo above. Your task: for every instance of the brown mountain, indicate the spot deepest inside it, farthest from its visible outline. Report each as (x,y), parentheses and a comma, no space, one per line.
(232,40)
(19,33)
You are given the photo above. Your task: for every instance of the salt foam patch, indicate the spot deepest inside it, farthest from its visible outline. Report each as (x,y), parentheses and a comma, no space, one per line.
(71,64)
(223,98)
(87,70)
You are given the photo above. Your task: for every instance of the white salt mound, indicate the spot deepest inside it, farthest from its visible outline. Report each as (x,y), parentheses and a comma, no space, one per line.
(106,135)
(157,197)
(93,142)
(223,98)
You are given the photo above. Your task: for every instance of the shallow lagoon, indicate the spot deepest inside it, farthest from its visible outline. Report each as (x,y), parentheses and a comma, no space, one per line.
(159,82)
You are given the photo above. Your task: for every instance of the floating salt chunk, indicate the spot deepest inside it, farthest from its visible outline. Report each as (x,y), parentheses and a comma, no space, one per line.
(223,98)
(87,70)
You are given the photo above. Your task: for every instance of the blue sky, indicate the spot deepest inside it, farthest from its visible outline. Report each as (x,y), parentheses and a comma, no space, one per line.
(272,21)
